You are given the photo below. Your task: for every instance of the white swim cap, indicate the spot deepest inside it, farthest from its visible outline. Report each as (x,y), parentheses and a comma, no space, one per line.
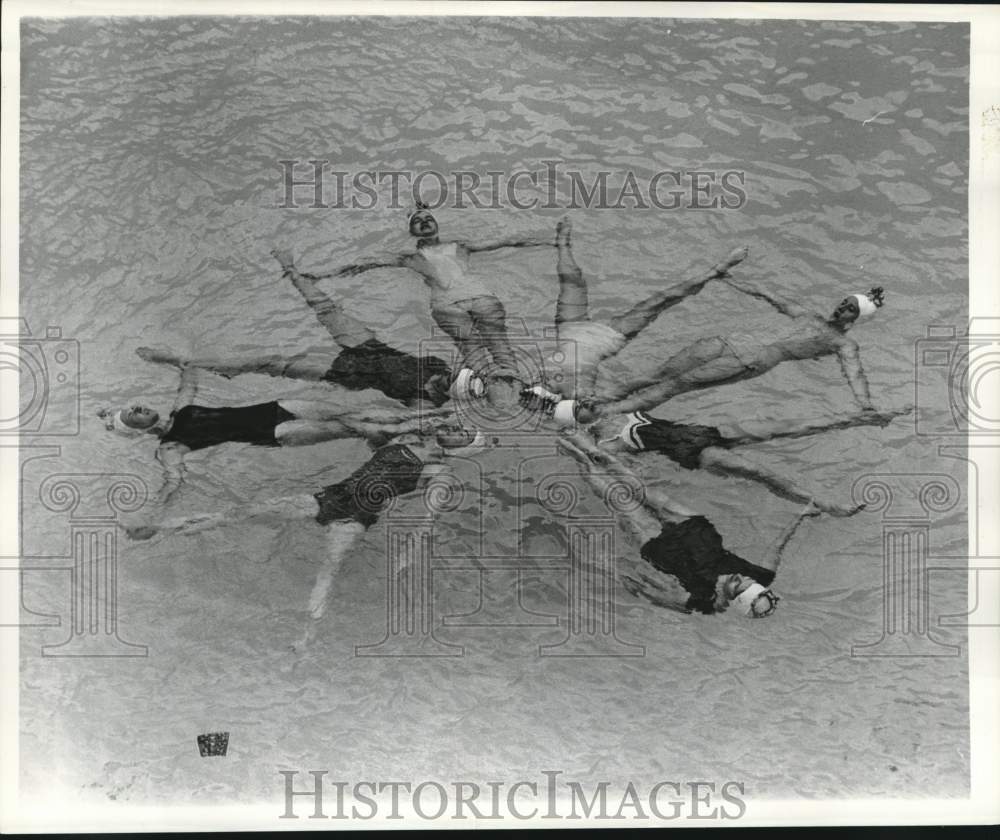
(565,413)
(745,600)
(467,385)
(115,422)
(870,302)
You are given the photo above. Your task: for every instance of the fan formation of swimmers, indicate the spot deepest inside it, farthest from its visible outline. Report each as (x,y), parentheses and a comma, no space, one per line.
(602,415)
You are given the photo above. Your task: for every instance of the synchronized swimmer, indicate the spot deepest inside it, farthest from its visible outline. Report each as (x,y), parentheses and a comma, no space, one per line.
(716,361)
(603,414)
(191,427)
(364,361)
(461,304)
(699,573)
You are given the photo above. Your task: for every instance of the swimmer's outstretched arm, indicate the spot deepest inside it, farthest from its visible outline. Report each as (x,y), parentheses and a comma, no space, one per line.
(778,549)
(784,305)
(188,388)
(724,462)
(308,366)
(511,242)
(741,434)
(850,364)
(171,455)
(171,458)
(363,265)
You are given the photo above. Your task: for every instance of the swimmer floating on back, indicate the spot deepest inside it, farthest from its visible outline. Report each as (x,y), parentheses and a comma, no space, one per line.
(693,446)
(363,362)
(710,362)
(277,423)
(466,309)
(698,574)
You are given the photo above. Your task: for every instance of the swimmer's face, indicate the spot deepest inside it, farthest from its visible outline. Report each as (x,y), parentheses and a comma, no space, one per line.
(847,311)
(140,417)
(437,386)
(729,586)
(423,224)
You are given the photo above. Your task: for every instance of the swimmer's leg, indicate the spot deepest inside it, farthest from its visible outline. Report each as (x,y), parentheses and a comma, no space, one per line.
(758,433)
(572,304)
(303,432)
(345,330)
(612,479)
(704,364)
(631,323)
(341,537)
(325,411)
(460,327)
(724,462)
(312,367)
(273,510)
(306,432)
(490,320)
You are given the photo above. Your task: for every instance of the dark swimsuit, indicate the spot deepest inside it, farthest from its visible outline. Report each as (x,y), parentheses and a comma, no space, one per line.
(692,552)
(392,471)
(682,443)
(399,375)
(197,427)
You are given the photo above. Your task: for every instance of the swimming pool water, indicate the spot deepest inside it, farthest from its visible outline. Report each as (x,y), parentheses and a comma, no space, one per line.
(150,193)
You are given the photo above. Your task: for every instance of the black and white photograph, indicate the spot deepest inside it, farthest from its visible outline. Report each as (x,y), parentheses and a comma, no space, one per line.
(499,415)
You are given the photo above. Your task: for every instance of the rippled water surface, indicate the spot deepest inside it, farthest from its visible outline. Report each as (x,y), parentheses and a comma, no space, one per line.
(150,191)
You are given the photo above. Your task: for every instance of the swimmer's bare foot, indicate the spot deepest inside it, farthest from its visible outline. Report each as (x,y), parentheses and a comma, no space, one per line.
(160,356)
(305,640)
(834,509)
(736,256)
(284,256)
(138,532)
